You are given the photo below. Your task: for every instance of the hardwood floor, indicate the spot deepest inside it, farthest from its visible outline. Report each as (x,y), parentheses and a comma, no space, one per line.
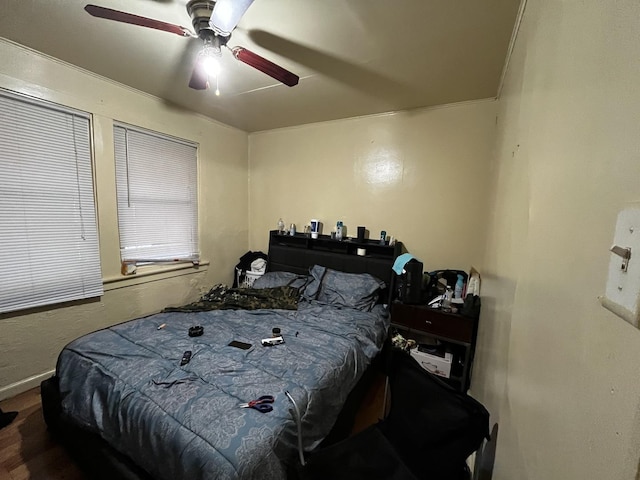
(371,406)
(27,451)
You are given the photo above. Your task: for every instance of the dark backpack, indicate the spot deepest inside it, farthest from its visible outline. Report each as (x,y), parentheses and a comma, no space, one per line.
(430,431)
(432,426)
(433,286)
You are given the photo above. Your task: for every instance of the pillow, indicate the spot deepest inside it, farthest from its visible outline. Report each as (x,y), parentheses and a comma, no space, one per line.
(353,290)
(280,279)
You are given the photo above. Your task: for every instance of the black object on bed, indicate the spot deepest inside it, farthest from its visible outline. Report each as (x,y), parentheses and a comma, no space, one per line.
(430,431)
(125,404)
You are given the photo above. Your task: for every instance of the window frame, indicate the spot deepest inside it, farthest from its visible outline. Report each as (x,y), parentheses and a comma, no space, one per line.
(57,255)
(130,263)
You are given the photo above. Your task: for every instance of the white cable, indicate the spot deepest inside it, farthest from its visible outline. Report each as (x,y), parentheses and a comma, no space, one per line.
(355,364)
(299,425)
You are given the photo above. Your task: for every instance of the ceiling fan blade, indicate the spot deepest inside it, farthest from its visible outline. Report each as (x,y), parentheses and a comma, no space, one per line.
(118,16)
(199,79)
(265,66)
(355,75)
(226,15)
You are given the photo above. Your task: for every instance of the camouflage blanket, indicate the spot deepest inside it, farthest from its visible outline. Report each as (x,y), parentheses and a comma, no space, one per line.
(221,297)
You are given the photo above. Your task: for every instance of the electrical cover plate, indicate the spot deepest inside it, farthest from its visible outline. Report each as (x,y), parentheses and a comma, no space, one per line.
(623,279)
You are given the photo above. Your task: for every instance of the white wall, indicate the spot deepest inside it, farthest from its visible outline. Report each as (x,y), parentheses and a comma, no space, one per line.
(559,372)
(421,175)
(30,341)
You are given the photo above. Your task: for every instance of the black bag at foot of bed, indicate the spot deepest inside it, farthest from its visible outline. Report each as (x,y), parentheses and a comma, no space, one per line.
(430,431)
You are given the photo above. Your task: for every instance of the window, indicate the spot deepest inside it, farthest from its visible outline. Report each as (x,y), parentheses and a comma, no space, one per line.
(48,235)
(157,197)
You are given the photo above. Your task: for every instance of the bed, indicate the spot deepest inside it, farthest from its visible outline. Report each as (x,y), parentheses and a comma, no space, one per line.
(122,399)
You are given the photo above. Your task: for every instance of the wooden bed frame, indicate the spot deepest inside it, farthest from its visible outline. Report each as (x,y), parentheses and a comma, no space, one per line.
(294,254)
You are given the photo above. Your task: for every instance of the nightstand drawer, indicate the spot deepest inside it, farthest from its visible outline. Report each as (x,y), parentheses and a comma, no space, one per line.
(432,321)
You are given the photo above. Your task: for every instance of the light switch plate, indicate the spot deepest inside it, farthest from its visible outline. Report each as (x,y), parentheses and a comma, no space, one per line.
(622,293)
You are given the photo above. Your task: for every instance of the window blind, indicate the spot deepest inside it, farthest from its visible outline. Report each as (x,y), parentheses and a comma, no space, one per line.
(156,180)
(48,234)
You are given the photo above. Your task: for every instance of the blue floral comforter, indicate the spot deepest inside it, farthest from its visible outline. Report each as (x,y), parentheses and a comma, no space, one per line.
(126,384)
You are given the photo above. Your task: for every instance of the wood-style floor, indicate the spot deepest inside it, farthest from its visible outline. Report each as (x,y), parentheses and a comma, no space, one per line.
(27,451)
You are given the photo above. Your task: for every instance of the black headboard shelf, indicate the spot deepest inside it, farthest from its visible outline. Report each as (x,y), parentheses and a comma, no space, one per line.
(297,253)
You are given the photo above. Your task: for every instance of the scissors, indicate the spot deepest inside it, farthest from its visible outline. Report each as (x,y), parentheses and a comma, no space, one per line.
(260,404)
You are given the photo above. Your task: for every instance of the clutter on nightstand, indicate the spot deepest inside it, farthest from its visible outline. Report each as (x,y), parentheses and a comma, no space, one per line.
(434,357)
(439,324)
(398,341)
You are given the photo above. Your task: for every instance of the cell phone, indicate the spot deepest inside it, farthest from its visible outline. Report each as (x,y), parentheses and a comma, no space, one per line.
(186,358)
(242,345)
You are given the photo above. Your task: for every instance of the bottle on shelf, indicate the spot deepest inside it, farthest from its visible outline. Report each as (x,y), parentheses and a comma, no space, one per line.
(457,293)
(280,226)
(446,301)
(339,230)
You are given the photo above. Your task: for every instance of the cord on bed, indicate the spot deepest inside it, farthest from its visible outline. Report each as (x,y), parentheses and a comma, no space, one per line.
(299,425)
(355,364)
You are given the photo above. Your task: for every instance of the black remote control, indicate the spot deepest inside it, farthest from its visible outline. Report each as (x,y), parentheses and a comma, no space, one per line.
(186,356)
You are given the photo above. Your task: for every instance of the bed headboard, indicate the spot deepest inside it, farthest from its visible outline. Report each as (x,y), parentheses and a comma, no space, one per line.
(300,252)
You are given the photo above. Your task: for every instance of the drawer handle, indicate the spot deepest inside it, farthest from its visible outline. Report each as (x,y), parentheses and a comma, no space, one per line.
(428,322)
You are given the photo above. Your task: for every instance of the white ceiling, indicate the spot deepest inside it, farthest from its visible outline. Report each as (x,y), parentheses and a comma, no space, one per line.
(354,57)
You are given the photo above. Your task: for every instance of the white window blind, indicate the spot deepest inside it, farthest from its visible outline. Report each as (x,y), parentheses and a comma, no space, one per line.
(48,235)
(157,196)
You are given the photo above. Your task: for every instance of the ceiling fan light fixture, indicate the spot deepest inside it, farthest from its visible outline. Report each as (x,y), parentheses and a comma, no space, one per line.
(226,15)
(213,21)
(200,13)
(211,65)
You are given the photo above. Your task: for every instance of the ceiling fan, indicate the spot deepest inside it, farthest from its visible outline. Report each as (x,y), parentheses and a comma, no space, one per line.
(213,21)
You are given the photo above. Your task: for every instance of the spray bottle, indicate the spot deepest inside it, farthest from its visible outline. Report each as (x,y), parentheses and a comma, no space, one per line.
(446,301)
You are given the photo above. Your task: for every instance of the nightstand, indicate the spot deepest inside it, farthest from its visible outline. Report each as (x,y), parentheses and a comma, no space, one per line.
(455,331)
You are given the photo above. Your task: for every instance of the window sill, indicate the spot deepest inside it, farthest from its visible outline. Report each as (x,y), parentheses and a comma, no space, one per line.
(152,273)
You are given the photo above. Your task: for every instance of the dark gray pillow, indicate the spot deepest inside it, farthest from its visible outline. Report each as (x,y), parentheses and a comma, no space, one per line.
(352,290)
(280,279)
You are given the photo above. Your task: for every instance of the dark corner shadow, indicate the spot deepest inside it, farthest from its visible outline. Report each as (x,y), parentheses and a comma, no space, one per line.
(42,453)
(356,76)
(31,426)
